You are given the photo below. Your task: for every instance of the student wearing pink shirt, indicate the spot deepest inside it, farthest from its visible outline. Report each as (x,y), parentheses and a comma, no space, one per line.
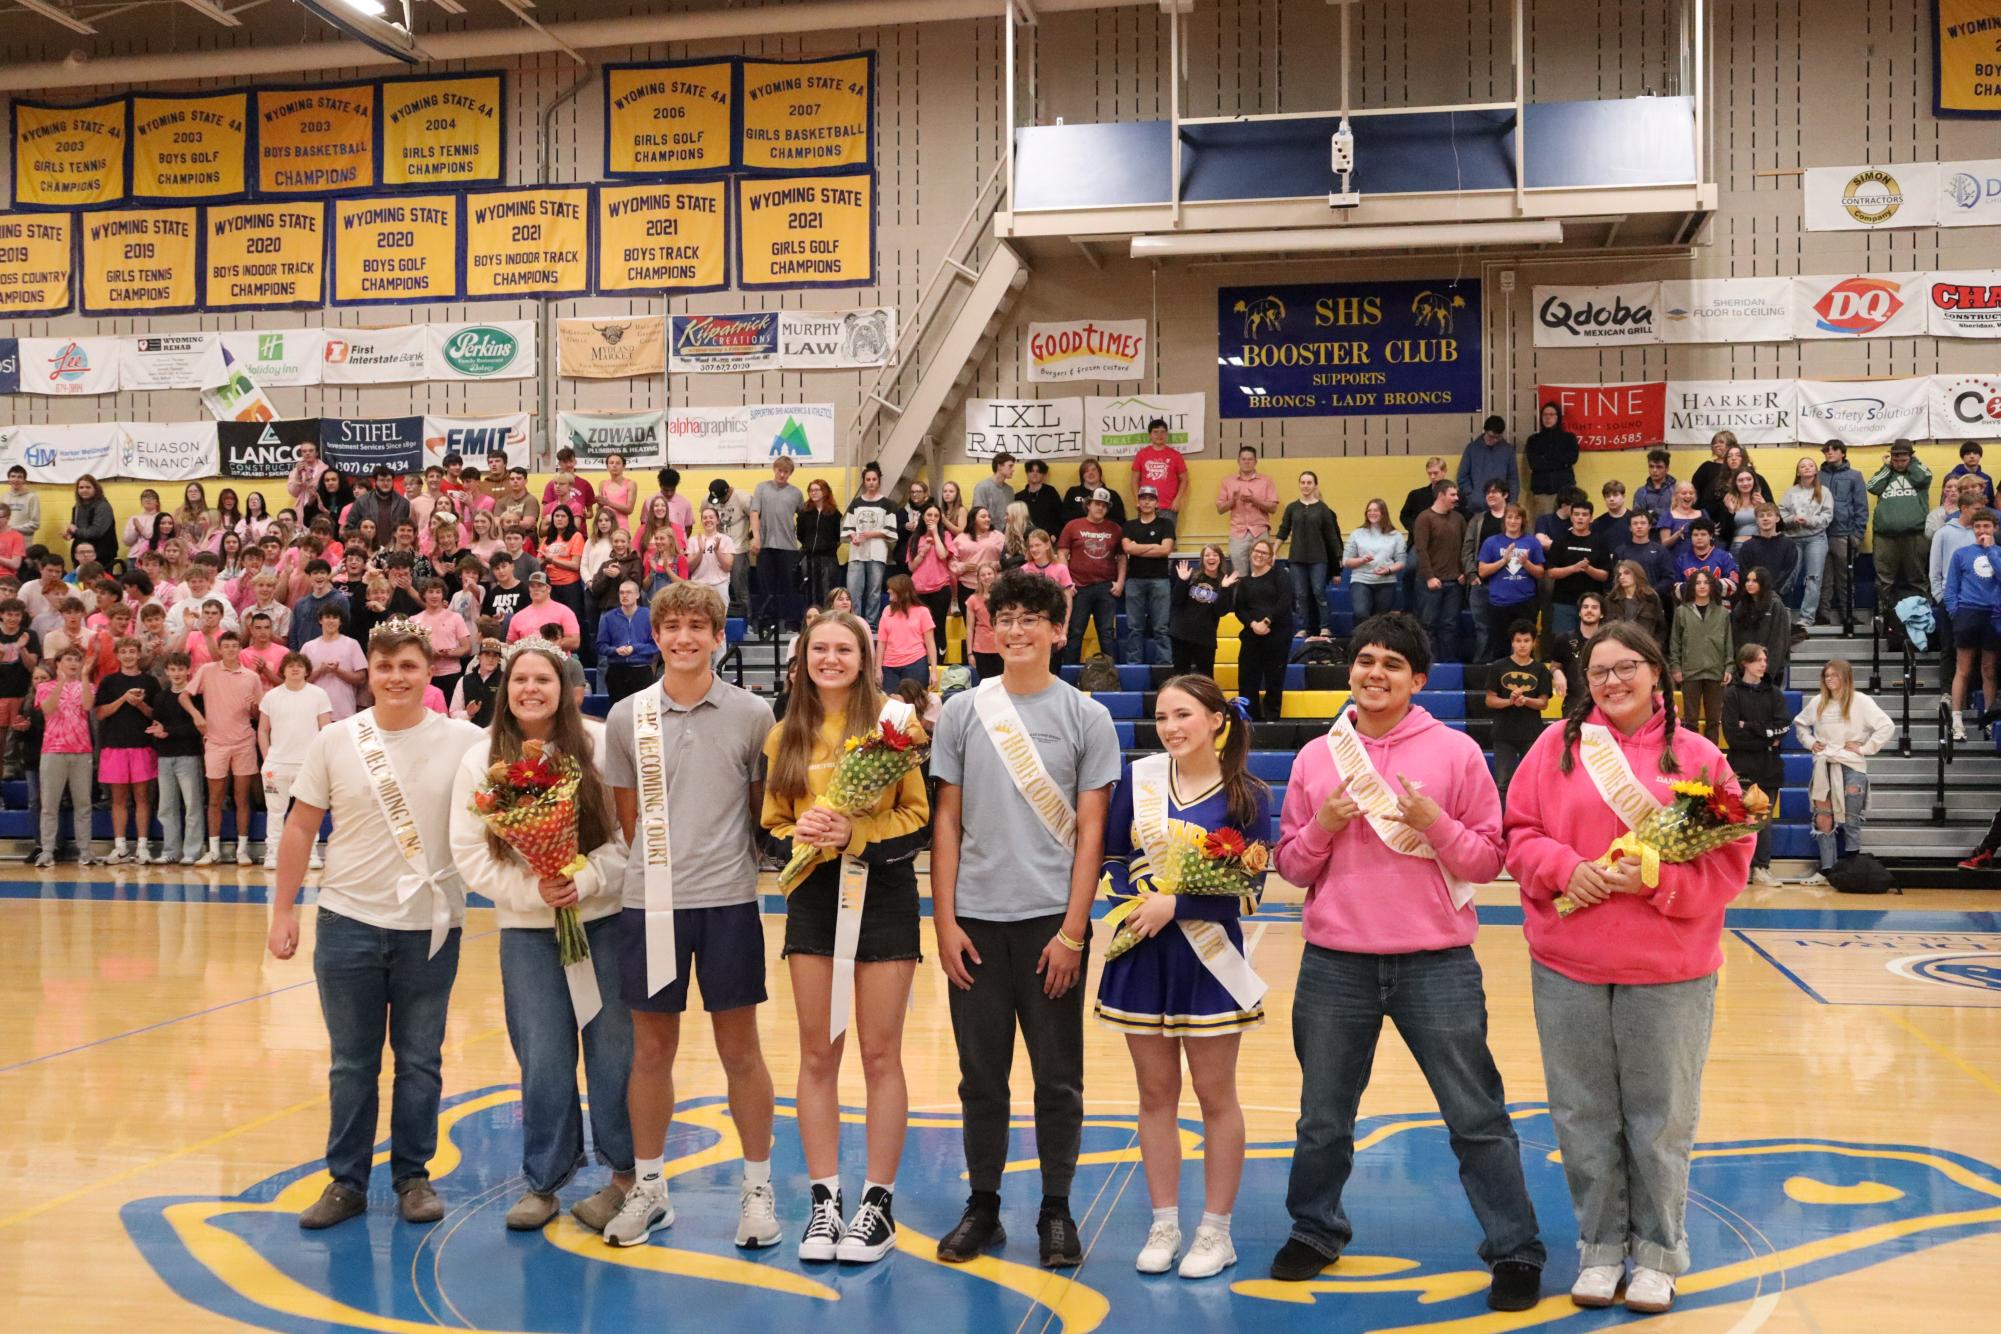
(543,610)
(1249,498)
(566,488)
(264,655)
(450,640)
(904,637)
(229,693)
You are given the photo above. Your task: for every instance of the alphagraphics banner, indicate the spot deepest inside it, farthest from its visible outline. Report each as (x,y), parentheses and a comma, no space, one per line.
(173,361)
(37,256)
(612,348)
(1606,316)
(637,436)
(810,340)
(1610,416)
(1116,428)
(1864,412)
(475,439)
(1964,76)
(61,454)
(1966,407)
(1727,310)
(375,356)
(724,343)
(1868,199)
(168,452)
(1343,349)
(503,350)
(279,358)
(1028,428)
(1965,304)
(71,367)
(699,436)
(265,448)
(356,446)
(1879,305)
(1758,412)
(1086,350)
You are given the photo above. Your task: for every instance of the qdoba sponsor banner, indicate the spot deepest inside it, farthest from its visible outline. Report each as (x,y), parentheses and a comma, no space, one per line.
(357,445)
(613,348)
(61,454)
(1605,316)
(1870,305)
(1611,416)
(168,451)
(1727,310)
(1964,304)
(504,350)
(1966,407)
(67,367)
(279,358)
(638,436)
(173,361)
(265,448)
(1869,198)
(1864,412)
(1028,428)
(477,438)
(1086,350)
(1758,412)
(375,356)
(1117,427)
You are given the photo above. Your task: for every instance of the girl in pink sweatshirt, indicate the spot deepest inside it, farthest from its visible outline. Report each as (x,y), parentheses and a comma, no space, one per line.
(1625,986)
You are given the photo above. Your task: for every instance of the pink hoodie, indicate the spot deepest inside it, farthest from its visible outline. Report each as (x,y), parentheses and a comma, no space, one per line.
(1361,896)
(1556,820)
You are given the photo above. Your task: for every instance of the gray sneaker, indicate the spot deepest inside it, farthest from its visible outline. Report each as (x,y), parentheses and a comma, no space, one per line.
(417,1200)
(336,1204)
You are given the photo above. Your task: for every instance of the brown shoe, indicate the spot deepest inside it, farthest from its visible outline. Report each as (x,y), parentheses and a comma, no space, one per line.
(418,1202)
(594,1211)
(532,1212)
(336,1204)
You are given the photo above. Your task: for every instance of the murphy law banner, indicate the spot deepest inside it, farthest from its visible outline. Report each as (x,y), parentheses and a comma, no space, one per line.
(808,115)
(189,146)
(675,118)
(316,140)
(662,238)
(396,249)
(1966,71)
(806,231)
(528,242)
(66,156)
(141,261)
(37,252)
(264,256)
(442,130)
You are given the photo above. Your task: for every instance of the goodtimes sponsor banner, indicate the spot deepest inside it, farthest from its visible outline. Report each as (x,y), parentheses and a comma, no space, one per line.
(1969,193)
(61,454)
(615,347)
(724,342)
(477,438)
(278,358)
(503,350)
(1610,416)
(1727,310)
(1964,304)
(1759,412)
(1966,407)
(1878,305)
(1086,350)
(1864,412)
(375,356)
(173,361)
(810,340)
(168,451)
(1866,199)
(1344,349)
(1607,316)
(265,448)
(37,254)
(1115,428)
(1028,428)
(596,435)
(355,445)
(67,367)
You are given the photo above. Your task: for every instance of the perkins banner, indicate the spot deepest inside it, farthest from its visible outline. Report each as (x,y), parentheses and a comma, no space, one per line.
(189,146)
(1871,198)
(1966,304)
(316,140)
(1349,349)
(1610,416)
(37,253)
(375,356)
(806,231)
(442,130)
(172,361)
(475,439)
(1878,305)
(663,120)
(141,262)
(612,348)
(1028,428)
(660,238)
(71,367)
(265,448)
(1966,79)
(1864,412)
(1966,407)
(264,256)
(637,436)
(1727,310)
(734,343)
(1116,428)
(1758,412)
(1087,350)
(61,454)
(1610,316)
(503,350)
(168,451)
(66,156)
(357,445)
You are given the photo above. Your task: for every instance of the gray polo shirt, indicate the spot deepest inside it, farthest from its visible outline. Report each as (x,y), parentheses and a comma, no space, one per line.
(714,752)
(994,496)
(777,509)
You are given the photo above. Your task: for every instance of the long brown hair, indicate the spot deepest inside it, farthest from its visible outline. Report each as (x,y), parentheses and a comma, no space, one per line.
(1637,639)
(1243,792)
(567,737)
(1845,695)
(804,713)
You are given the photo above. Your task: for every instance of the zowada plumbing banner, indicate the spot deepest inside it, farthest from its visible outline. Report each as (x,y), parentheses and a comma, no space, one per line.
(1610,416)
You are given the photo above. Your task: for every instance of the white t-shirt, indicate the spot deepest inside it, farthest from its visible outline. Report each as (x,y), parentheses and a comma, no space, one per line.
(363,862)
(295,720)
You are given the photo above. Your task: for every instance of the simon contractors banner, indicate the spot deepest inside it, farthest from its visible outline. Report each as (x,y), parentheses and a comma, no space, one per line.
(1871,198)
(1086,350)
(1349,349)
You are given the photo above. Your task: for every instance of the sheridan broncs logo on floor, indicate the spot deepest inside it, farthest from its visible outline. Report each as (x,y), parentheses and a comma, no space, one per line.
(1954,969)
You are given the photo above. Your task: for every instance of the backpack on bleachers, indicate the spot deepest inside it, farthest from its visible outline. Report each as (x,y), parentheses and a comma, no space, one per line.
(952,680)
(1100,674)
(1859,873)
(1321,653)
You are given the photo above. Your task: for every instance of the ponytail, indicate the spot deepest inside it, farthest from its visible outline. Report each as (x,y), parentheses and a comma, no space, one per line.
(1243,793)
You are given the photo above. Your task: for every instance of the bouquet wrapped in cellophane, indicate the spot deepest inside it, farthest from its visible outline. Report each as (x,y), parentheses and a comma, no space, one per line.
(1702,818)
(531,805)
(1221,863)
(869,766)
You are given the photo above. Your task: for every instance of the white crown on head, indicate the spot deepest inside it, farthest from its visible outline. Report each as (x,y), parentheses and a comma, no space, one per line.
(401,625)
(535,644)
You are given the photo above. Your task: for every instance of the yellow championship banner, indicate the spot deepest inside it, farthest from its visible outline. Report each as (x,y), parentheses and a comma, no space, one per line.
(528,242)
(69,156)
(806,231)
(443,131)
(663,238)
(264,256)
(316,140)
(396,249)
(1966,76)
(668,119)
(808,115)
(189,147)
(36,254)
(140,261)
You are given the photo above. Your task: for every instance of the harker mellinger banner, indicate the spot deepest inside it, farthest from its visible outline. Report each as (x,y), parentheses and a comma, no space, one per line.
(393,250)
(1343,349)
(189,146)
(665,119)
(663,238)
(316,140)
(264,256)
(1757,412)
(528,242)
(808,115)
(37,254)
(61,454)
(442,130)
(806,231)
(67,156)
(141,261)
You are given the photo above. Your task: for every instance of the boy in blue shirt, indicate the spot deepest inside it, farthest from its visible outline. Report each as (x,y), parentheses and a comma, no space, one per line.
(1972,599)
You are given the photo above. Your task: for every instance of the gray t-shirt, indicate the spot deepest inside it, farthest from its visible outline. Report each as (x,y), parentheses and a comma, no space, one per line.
(994,496)
(777,509)
(714,752)
(1011,867)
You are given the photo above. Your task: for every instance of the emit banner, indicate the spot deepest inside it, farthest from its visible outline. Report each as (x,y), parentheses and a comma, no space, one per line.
(316,140)
(476,439)
(268,256)
(528,242)
(808,115)
(189,147)
(66,156)
(669,119)
(1349,349)
(36,258)
(141,261)
(663,238)
(806,231)
(442,131)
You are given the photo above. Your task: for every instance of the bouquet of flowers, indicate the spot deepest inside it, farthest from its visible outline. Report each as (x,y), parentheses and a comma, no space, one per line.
(1701,818)
(869,766)
(530,804)
(1221,862)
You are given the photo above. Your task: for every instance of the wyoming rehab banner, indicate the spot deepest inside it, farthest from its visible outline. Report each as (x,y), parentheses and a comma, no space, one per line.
(1349,349)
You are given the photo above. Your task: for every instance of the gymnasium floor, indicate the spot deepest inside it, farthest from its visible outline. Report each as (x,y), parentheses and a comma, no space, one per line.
(162,1093)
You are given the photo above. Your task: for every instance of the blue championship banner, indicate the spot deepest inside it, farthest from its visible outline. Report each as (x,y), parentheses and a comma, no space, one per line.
(1348,349)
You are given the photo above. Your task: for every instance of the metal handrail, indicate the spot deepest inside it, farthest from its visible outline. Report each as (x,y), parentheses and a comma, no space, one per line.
(1876,652)
(1945,757)
(1910,686)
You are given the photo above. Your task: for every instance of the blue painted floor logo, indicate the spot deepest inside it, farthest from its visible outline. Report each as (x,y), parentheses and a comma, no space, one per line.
(1764,1215)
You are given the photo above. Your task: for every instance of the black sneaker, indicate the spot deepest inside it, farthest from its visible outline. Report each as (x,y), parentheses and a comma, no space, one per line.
(823,1226)
(1061,1248)
(978,1230)
(1297,1262)
(1517,1286)
(872,1231)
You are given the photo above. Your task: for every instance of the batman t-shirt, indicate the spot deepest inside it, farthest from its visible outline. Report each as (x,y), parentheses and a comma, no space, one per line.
(1518,727)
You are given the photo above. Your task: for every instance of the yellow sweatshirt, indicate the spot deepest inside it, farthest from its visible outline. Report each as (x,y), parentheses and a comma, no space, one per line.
(890,832)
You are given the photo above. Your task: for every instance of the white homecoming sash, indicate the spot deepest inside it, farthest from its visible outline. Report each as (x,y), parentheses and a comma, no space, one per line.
(403,831)
(1606,762)
(1379,804)
(853,894)
(1152,777)
(1024,765)
(651,762)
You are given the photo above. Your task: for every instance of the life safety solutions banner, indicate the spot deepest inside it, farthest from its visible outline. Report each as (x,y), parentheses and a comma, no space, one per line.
(808,115)
(442,130)
(668,119)
(265,448)
(316,141)
(1349,349)
(391,250)
(1610,416)
(190,146)
(37,253)
(71,367)
(1086,350)
(167,451)
(264,256)
(62,454)
(141,261)
(526,243)
(636,437)
(475,439)
(806,231)
(612,347)
(69,156)
(1966,67)
(1864,412)
(663,238)
(356,446)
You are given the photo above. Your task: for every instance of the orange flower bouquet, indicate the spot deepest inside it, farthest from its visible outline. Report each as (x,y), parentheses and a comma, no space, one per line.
(530,804)
(1222,862)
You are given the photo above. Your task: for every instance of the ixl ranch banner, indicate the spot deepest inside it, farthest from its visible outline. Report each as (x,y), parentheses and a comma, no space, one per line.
(1348,349)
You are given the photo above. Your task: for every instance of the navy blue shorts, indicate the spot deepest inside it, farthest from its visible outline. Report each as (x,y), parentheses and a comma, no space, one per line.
(722,948)
(1975,631)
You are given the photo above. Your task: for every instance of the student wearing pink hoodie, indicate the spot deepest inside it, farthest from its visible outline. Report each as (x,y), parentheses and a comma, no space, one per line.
(1625,987)
(1389,822)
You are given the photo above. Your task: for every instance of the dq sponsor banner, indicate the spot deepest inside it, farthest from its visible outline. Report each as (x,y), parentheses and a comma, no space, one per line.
(268,448)
(1609,316)
(316,140)
(396,250)
(1610,416)
(662,238)
(477,438)
(611,348)
(1864,412)
(278,358)
(1343,349)
(1759,412)
(397,354)
(264,256)
(442,130)
(719,436)
(1963,304)
(806,231)
(168,451)
(61,454)
(1727,310)
(1969,193)
(1966,407)
(1868,199)
(68,367)
(803,432)
(1966,80)
(189,146)
(1086,350)
(1028,428)
(734,343)
(503,350)
(597,435)
(37,254)
(1115,428)
(10,366)
(236,396)
(67,156)
(528,242)
(812,340)
(808,115)
(669,118)
(141,261)
(172,361)
(1879,305)
(358,445)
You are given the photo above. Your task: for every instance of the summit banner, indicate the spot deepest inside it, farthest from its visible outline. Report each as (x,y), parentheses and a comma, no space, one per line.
(1343,349)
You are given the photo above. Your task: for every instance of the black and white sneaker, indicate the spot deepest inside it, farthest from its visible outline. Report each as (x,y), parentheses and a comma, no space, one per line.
(822,1238)
(871,1233)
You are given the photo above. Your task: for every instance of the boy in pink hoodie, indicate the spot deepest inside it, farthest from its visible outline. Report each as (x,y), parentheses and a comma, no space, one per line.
(1389,823)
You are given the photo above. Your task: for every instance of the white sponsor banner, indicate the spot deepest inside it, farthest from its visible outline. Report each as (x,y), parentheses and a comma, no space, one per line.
(1867,199)
(279,358)
(60,454)
(1115,428)
(173,361)
(375,356)
(595,435)
(1727,310)
(708,436)
(475,439)
(835,339)
(1866,305)
(168,451)
(1969,193)
(1964,303)
(1621,314)
(1086,350)
(1864,412)
(71,366)
(501,350)
(803,432)
(1759,412)
(1966,407)
(1028,428)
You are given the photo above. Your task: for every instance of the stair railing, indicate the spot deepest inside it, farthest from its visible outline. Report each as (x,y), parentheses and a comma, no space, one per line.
(1945,756)
(1910,687)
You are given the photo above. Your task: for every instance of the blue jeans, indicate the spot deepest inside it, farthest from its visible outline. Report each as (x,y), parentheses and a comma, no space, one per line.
(375,982)
(1311,610)
(1813,563)
(181,809)
(892,677)
(1439,1006)
(1438,608)
(1484,649)
(1093,603)
(865,578)
(1147,609)
(1838,840)
(1366,600)
(543,1029)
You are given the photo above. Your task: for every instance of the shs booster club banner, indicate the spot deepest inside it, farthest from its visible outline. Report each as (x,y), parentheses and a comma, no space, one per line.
(669,119)
(806,231)
(808,115)
(66,156)
(663,238)
(316,140)
(390,250)
(264,256)
(141,262)
(442,130)
(265,448)
(1349,349)
(528,242)
(189,146)
(1610,416)
(37,252)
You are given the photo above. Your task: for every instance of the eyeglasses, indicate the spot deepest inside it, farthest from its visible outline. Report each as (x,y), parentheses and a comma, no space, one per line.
(1019,622)
(1624,671)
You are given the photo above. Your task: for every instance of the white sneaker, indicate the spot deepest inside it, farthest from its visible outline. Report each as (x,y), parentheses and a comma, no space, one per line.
(646,1209)
(83,857)
(1163,1243)
(1762,875)
(270,862)
(187,859)
(140,856)
(1651,1292)
(1597,1285)
(757,1217)
(1818,880)
(45,861)
(1210,1254)
(243,852)
(119,856)
(1958,728)
(209,856)
(318,861)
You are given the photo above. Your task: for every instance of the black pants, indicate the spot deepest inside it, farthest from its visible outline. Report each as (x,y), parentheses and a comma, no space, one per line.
(1766,769)
(823,576)
(1007,991)
(1190,656)
(626,678)
(778,585)
(1261,664)
(1507,756)
(939,604)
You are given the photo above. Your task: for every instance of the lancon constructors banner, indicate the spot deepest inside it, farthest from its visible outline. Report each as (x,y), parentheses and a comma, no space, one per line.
(1611,416)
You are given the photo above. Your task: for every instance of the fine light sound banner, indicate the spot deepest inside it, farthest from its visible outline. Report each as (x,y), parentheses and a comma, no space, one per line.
(264,256)
(663,238)
(141,261)
(1965,78)
(1349,349)
(806,231)
(670,119)
(808,115)
(69,156)
(1610,416)
(37,253)
(316,141)
(437,131)
(189,146)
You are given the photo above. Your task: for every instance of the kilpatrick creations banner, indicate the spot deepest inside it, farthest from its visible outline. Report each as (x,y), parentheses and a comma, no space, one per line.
(1349,349)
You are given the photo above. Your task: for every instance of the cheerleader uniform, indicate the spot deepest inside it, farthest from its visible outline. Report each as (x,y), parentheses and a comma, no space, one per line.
(1160,986)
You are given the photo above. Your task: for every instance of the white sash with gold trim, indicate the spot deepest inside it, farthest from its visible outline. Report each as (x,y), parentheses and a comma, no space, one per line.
(1604,759)
(437,883)
(650,763)
(1152,776)
(1023,763)
(853,895)
(1373,794)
